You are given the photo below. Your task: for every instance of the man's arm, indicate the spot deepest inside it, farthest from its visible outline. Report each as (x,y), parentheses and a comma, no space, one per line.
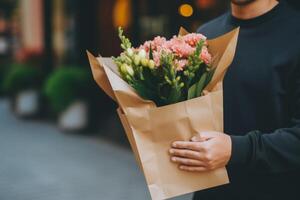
(273,152)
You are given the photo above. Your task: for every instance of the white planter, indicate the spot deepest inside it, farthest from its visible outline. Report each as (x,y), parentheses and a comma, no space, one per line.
(75,117)
(27,103)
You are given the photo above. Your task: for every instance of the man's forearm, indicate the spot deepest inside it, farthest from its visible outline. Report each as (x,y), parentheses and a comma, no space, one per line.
(275,152)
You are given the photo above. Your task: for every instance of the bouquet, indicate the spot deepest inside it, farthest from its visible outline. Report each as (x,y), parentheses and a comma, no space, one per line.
(166,71)
(168,90)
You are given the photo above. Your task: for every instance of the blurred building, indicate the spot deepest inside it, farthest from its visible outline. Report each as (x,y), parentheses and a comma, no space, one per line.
(93,25)
(60,31)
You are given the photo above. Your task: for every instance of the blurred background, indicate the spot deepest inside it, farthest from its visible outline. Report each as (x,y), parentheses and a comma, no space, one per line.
(60,137)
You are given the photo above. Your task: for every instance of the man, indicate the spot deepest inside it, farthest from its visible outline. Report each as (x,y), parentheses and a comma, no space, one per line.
(261,147)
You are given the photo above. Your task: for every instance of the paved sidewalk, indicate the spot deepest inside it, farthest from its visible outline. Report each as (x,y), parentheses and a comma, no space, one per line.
(38,162)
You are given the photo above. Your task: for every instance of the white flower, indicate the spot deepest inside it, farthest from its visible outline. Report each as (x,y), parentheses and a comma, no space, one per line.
(136,60)
(142,54)
(151,64)
(130,52)
(145,62)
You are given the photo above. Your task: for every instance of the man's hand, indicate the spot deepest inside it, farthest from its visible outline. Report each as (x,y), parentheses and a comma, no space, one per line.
(207,151)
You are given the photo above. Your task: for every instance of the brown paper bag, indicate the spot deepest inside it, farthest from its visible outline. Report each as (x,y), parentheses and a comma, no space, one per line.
(151,129)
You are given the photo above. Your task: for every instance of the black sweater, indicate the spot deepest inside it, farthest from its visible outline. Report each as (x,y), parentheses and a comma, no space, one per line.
(262,106)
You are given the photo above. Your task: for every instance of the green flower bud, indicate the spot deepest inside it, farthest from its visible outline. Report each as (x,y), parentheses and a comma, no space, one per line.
(192,75)
(126,69)
(172,72)
(168,80)
(128,78)
(129,70)
(128,60)
(123,68)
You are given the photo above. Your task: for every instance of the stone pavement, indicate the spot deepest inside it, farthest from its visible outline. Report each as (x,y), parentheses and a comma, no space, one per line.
(38,162)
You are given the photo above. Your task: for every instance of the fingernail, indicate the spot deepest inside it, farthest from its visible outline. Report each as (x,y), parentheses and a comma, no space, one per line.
(173,159)
(174,144)
(181,167)
(171,151)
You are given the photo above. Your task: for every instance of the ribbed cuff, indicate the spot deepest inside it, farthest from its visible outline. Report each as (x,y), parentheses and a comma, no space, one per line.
(240,150)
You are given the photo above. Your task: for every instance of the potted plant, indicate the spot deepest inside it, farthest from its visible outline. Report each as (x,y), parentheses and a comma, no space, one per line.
(22,84)
(68,91)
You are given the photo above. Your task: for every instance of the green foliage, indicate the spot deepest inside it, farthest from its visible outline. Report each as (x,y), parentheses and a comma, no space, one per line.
(196,66)
(21,77)
(196,89)
(66,85)
(171,88)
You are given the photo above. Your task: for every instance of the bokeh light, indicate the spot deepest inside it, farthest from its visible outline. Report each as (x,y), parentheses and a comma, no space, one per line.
(122,13)
(186,10)
(206,4)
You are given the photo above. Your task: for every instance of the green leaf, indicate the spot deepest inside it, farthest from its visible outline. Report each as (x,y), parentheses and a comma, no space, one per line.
(192,91)
(169,95)
(144,91)
(151,53)
(199,47)
(175,95)
(197,88)
(209,76)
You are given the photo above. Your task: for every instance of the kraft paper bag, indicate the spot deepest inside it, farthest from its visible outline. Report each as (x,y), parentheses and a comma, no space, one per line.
(151,129)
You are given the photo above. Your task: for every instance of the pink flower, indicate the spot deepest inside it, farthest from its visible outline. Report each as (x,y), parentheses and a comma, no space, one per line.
(193,38)
(145,46)
(180,48)
(154,44)
(205,55)
(158,41)
(156,58)
(164,48)
(181,64)
(158,53)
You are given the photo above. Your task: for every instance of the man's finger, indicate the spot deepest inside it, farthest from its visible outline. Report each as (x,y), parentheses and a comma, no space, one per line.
(187,162)
(186,153)
(192,168)
(187,145)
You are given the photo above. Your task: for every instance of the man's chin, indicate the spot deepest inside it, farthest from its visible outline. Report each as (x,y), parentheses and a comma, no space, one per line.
(242,2)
